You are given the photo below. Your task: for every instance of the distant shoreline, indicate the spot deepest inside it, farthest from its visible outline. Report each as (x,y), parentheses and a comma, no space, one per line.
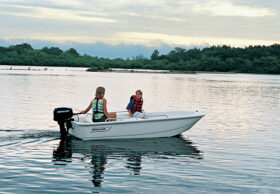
(214,59)
(119,70)
(113,70)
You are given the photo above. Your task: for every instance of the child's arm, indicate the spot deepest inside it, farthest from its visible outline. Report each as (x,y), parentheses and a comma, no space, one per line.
(129,107)
(87,109)
(105,108)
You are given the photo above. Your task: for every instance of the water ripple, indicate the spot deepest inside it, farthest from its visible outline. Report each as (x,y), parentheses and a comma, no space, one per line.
(235,148)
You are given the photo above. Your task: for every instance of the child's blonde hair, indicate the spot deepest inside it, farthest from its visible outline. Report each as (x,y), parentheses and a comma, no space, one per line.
(99,91)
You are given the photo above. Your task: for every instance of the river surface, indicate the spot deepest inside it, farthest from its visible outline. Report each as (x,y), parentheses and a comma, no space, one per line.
(234,148)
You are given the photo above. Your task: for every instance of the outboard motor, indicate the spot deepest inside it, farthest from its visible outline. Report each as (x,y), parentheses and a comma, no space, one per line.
(63,116)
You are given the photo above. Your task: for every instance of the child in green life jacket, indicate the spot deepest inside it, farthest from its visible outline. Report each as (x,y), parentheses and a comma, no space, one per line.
(99,107)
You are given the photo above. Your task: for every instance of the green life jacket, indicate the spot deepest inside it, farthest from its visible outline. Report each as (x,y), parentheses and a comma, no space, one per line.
(97,108)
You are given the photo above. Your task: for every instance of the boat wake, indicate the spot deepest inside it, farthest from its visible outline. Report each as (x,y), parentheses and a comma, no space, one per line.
(96,156)
(10,135)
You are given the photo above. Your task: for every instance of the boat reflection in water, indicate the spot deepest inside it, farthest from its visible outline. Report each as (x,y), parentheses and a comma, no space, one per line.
(97,153)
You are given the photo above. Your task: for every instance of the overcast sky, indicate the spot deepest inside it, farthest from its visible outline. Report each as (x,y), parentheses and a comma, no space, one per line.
(127,28)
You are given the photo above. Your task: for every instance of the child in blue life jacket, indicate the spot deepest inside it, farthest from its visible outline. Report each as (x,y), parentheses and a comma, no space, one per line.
(134,107)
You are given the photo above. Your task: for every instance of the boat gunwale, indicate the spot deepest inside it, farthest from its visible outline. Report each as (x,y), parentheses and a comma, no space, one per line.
(137,121)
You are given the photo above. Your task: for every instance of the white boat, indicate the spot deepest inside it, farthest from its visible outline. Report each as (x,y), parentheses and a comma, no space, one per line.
(157,124)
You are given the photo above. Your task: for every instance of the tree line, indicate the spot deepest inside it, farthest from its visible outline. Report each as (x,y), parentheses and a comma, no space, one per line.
(252,59)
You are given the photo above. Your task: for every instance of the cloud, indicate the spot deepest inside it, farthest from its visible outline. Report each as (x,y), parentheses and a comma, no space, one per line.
(218,8)
(145,39)
(144,22)
(54,13)
(151,39)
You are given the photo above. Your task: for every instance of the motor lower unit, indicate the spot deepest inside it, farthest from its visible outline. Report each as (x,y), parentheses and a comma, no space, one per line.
(63,117)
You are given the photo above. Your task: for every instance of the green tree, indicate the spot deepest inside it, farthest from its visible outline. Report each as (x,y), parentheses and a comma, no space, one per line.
(72,51)
(52,50)
(155,55)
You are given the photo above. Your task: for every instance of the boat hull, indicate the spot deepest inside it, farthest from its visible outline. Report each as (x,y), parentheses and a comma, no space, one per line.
(133,129)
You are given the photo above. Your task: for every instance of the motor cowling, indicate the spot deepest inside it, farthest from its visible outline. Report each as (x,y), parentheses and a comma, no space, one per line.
(62,115)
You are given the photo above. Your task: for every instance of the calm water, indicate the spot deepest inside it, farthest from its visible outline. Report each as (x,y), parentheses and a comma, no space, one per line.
(234,148)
